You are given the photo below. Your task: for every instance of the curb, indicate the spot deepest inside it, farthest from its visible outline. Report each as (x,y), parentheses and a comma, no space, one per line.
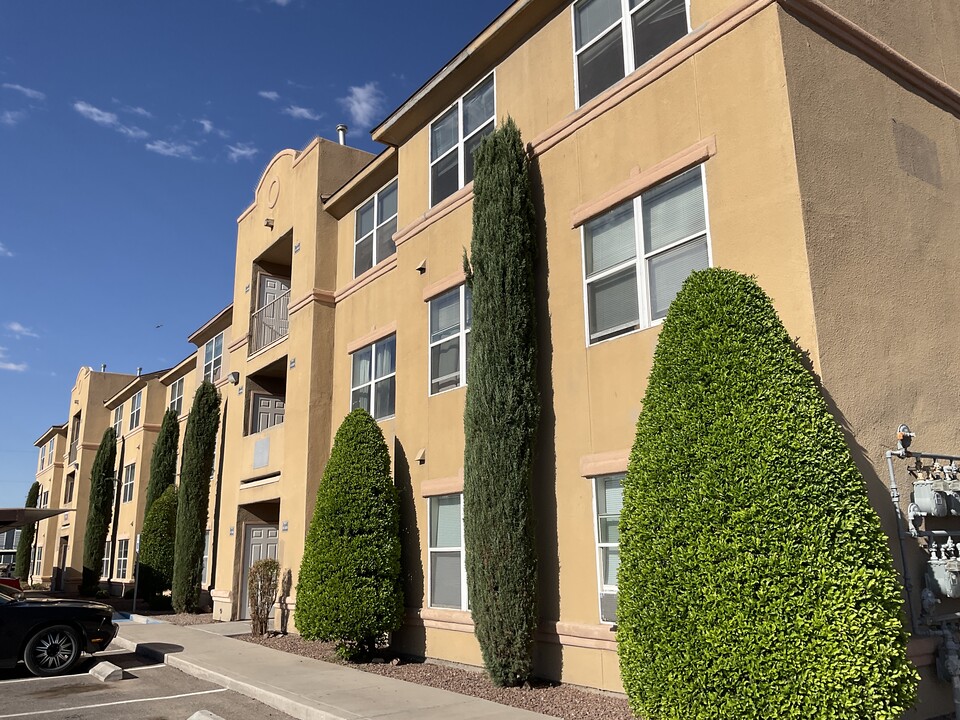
(286,703)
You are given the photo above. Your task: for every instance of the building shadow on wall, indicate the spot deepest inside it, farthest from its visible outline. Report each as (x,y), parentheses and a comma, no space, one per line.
(548,656)
(411,638)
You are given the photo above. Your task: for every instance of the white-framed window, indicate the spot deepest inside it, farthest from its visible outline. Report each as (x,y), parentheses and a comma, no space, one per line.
(176,397)
(135,410)
(105,569)
(375,224)
(213,358)
(43,456)
(38,560)
(43,499)
(50,447)
(607,503)
(448,578)
(205,562)
(373,384)
(451,316)
(637,255)
(68,488)
(123,550)
(456,134)
(128,474)
(612,38)
(118,420)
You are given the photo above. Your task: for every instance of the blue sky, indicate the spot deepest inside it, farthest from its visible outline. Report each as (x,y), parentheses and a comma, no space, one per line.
(131,137)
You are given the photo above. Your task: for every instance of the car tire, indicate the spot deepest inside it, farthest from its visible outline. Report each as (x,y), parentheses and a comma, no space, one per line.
(52,650)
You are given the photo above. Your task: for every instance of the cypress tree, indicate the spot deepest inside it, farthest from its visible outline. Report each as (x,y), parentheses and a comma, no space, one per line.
(502,410)
(157,544)
(349,586)
(755,579)
(25,544)
(163,460)
(199,446)
(102,488)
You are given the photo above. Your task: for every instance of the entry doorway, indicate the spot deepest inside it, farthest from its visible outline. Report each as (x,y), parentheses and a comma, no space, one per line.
(259,543)
(63,562)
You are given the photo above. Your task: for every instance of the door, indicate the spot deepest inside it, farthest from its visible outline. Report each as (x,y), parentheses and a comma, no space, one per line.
(63,560)
(267,411)
(260,543)
(273,315)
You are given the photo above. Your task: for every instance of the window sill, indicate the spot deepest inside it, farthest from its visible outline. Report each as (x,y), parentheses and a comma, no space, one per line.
(366,277)
(651,326)
(434,214)
(449,390)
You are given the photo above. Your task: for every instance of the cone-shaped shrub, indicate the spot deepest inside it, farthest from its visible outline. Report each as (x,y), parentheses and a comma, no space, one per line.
(22,568)
(349,588)
(755,579)
(100,513)
(163,461)
(502,411)
(199,447)
(157,544)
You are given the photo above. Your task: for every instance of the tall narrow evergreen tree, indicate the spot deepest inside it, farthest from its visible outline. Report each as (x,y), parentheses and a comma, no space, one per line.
(100,511)
(163,461)
(25,544)
(199,446)
(157,545)
(502,410)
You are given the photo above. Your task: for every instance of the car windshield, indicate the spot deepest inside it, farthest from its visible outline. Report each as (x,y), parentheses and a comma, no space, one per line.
(7,595)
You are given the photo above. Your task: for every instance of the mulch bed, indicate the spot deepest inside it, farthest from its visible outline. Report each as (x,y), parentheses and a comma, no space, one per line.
(560,701)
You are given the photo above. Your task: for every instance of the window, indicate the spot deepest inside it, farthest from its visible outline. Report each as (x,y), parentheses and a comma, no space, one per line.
(609,501)
(128,472)
(50,447)
(205,562)
(123,548)
(455,135)
(613,38)
(637,256)
(448,580)
(38,561)
(176,397)
(451,316)
(74,437)
(374,382)
(105,570)
(43,456)
(68,486)
(135,410)
(213,358)
(376,222)
(43,499)
(118,420)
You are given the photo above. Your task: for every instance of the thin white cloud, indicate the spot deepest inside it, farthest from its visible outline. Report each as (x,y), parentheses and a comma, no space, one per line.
(365,104)
(19,331)
(271,95)
(209,127)
(7,365)
(4,251)
(172,149)
(27,92)
(301,113)
(281,3)
(109,120)
(241,151)
(142,112)
(12,117)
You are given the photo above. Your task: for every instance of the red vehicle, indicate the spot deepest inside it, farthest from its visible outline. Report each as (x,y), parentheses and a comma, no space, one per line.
(12,583)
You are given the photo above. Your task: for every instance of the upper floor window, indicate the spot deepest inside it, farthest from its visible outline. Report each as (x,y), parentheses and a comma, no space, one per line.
(129,473)
(50,447)
(43,499)
(176,397)
(135,410)
(637,255)
(455,135)
(373,384)
(376,222)
(451,316)
(68,487)
(213,358)
(43,456)
(118,420)
(609,502)
(448,580)
(614,37)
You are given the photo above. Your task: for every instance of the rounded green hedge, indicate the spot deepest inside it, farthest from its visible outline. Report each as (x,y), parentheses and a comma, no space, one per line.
(755,579)
(349,585)
(157,544)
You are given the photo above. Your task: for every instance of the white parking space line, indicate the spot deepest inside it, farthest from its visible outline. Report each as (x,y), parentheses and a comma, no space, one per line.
(111,704)
(61,677)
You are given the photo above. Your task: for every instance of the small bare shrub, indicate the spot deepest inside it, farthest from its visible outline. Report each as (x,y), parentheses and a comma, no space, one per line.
(262,591)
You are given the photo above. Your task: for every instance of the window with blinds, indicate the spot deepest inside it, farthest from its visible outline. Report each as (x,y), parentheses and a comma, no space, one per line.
(374,378)
(448,580)
(636,256)
(609,503)
(451,316)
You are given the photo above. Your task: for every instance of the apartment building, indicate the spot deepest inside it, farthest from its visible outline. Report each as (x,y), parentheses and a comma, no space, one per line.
(50,475)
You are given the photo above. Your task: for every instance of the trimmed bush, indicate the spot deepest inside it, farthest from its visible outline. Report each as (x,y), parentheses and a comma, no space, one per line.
(262,585)
(199,447)
(502,411)
(163,460)
(755,579)
(100,512)
(157,542)
(349,586)
(22,568)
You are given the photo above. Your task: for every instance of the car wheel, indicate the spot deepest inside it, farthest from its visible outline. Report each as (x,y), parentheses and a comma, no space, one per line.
(52,651)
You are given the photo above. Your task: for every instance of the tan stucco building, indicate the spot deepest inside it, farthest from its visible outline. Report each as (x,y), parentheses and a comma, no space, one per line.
(815,145)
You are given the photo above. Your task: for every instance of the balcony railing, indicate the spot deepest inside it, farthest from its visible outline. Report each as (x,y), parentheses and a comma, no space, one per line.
(270,323)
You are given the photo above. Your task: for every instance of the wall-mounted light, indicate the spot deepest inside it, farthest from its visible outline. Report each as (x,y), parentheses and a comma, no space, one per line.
(268,223)
(234,378)
(422,267)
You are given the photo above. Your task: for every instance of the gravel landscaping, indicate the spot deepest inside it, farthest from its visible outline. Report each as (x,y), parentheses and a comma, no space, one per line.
(560,701)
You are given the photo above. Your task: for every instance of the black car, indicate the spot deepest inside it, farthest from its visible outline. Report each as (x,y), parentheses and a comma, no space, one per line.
(49,634)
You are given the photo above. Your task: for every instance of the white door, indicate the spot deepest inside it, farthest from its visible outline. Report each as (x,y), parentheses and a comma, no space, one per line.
(260,543)
(273,315)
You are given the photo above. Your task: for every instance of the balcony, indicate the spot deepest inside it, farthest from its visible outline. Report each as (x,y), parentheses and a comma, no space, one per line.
(270,323)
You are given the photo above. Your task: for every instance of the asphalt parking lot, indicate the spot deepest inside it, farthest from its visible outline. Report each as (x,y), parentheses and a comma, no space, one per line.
(148,691)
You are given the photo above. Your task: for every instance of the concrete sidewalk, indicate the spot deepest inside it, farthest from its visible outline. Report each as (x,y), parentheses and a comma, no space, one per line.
(303,688)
